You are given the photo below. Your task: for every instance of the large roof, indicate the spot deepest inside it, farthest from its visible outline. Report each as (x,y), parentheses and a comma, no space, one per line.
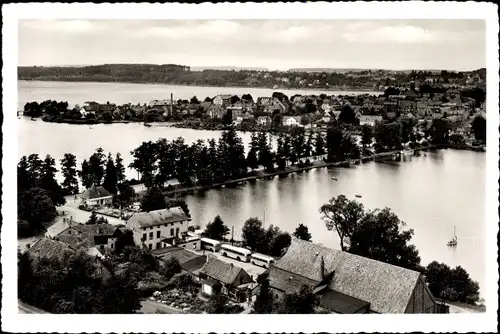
(95,192)
(48,248)
(286,281)
(221,271)
(158,217)
(386,287)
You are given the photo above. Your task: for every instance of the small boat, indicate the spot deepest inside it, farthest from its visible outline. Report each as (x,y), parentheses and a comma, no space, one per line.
(453,242)
(91,127)
(358,196)
(148,125)
(33,119)
(334,179)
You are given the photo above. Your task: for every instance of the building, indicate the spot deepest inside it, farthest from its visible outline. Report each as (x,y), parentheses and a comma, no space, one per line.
(369,120)
(96,238)
(190,262)
(215,111)
(348,283)
(291,120)
(49,249)
(264,120)
(226,278)
(159,228)
(96,196)
(220,100)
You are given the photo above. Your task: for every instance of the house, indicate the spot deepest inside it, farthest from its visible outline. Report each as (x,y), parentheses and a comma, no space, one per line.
(226,278)
(159,228)
(50,249)
(348,283)
(263,101)
(96,238)
(159,103)
(369,120)
(190,262)
(85,110)
(96,196)
(264,120)
(215,111)
(291,120)
(220,100)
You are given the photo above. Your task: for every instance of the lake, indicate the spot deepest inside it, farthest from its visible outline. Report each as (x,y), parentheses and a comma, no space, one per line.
(432,193)
(121,93)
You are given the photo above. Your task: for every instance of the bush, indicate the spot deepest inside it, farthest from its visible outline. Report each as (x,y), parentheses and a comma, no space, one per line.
(24,229)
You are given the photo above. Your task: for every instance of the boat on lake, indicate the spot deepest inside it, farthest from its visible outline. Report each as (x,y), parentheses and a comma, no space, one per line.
(454,241)
(334,178)
(358,196)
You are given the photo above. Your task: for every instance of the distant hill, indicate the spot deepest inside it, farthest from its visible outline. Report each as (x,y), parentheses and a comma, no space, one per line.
(227,68)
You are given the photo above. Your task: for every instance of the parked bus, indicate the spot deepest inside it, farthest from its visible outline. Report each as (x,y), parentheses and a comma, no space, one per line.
(210,244)
(238,253)
(262,260)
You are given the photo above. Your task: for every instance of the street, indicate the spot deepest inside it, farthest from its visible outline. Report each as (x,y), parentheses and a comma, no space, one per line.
(150,307)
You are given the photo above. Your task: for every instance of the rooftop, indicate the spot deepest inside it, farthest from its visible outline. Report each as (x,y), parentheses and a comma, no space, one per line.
(221,271)
(386,287)
(95,192)
(158,217)
(48,248)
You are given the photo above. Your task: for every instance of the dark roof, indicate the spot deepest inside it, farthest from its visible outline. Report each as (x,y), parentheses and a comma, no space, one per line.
(95,192)
(182,255)
(194,265)
(158,217)
(386,287)
(81,235)
(210,281)
(286,281)
(48,248)
(221,271)
(341,303)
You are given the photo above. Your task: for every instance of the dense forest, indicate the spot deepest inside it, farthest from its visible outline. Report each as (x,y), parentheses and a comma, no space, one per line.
(183,75)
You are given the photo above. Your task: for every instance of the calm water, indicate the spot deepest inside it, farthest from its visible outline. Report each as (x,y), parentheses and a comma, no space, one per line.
(432,193)
(121,93)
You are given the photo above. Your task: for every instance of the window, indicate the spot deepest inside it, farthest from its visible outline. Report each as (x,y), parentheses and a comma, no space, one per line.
(150,235)
(158,234)
(144,236)
(177,232)
(171,232)
(158,245)
(150,246)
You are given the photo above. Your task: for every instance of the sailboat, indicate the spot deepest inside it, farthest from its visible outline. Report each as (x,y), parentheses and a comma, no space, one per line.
(453,242)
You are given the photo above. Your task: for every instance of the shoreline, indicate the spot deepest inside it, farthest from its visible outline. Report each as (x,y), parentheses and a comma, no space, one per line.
(352,89)
(383,156)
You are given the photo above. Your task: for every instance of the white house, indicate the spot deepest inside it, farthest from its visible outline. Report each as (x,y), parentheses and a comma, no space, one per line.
(159,228)
(222,99)
(370,120)
(96,196)
(291,121)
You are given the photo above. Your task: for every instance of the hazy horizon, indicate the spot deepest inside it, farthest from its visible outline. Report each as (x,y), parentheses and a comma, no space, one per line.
(457,45)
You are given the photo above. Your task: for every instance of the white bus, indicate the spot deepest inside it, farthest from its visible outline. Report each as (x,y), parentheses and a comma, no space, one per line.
(238,253)
(210,244)
(262,260)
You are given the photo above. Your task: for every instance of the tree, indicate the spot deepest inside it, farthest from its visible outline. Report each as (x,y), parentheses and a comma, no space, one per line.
(207,99)
(95,219)
(253,234)
(347,115)
(36,207)
(171,267)
(120,169)
(25,179)
(265,155)
(319,144)
(302,232)
(367,135)
(265,300)
(110,178)
(96,167)
(68,168)
(153,200)
(35,170)
(194,100)
(124,240)
(86,175)
(216,229)
(342,215)
(216,304)
(302,302)
(180,202)
(334,138)
(440,131)
(247,97)
(49,183)
(252,159)
(145,157)
(479,128)
(308,146)
(380,236)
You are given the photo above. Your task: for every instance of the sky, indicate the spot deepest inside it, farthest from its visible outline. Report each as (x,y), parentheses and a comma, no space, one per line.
(272,44)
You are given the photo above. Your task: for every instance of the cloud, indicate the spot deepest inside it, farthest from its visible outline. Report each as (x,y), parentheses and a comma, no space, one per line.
(402,34)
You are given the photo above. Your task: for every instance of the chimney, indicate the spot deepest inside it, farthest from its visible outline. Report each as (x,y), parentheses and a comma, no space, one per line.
(322,268)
